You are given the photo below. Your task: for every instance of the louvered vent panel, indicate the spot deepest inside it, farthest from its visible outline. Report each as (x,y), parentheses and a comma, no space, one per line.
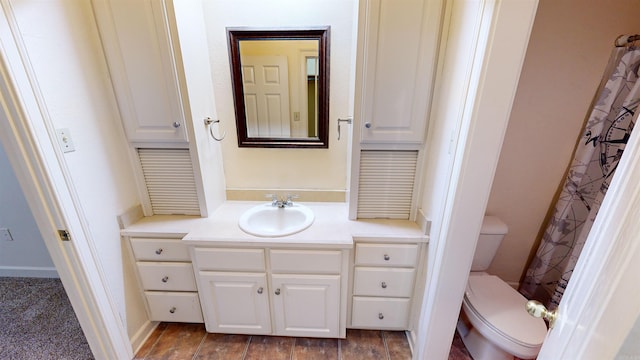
(168,174)
(386,184)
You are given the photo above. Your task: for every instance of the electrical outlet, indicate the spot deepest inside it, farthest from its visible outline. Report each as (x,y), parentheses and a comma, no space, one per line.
(5,234)
(65,141)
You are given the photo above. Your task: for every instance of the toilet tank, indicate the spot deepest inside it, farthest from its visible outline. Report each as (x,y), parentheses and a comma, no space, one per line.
(491,234)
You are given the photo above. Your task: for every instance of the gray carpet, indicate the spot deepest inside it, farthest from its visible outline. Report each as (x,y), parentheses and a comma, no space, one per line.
(37,322)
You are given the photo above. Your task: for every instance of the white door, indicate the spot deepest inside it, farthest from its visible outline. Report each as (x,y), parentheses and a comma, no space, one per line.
(600,305)
(306,305)
(265,80)
(235,303)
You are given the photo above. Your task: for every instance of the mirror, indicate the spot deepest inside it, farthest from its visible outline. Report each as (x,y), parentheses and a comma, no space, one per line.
(280,86)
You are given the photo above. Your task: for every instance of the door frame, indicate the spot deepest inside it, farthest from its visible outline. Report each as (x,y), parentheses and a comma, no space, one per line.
(28,137)
(493,36)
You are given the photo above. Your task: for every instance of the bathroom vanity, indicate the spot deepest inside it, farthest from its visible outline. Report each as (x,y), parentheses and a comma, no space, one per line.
(334,275)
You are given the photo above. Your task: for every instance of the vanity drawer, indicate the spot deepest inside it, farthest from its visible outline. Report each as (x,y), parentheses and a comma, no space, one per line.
(395,282)
(159,249)
(223,259)
(401,255)
(380,313)
(306,261)
(167,276)
(174,307)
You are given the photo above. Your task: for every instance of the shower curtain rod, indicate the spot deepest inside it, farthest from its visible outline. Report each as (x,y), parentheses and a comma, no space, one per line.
(624,40)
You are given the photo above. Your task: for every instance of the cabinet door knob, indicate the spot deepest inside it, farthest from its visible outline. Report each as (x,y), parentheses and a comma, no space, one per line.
(367,125)
(384,285)
(172,310)
(380,316)
(165,279)
(260,290)
(159,251)
(176,124)
(277,291)
(386,257)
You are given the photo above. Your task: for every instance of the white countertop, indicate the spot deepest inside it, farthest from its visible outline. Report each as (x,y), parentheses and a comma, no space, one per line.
(331,227)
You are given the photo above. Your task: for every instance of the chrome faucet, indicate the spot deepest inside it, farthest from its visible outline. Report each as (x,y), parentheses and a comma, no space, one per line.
(282,203)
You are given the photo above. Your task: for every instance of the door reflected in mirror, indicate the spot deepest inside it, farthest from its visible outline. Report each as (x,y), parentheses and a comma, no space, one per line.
(281,86)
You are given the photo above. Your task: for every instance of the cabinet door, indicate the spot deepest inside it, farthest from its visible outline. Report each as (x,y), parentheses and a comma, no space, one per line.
(398,59)
(235,303)
(306,305)
(137,45)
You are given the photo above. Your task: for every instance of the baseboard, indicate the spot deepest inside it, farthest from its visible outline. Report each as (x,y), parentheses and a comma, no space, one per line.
(423,222)
(28,271)
(130,216)
(411,338)
(138,339)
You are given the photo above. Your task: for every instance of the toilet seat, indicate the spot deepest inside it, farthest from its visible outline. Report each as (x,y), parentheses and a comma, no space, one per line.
(498,312)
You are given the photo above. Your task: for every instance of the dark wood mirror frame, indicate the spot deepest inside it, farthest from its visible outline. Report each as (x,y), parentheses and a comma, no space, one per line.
(322,34)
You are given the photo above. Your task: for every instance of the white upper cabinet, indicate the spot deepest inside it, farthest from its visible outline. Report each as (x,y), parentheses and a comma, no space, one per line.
(138,46)
(396,59)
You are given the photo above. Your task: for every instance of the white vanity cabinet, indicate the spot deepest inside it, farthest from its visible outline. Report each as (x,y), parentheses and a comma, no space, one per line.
(306,292)
(383,285)
(165,274)
(233,290)
(287,292)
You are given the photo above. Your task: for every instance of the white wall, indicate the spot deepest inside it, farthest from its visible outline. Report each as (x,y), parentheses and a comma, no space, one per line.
(568,50)
(63,47)
(307,169)
(27,254)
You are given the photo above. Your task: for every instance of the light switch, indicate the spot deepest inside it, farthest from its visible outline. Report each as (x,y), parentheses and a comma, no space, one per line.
(65,141)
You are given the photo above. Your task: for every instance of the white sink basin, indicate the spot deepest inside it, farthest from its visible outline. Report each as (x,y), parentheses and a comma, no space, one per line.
(271,221)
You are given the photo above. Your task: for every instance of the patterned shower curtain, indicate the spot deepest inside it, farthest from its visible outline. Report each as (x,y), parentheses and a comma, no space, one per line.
(596,157)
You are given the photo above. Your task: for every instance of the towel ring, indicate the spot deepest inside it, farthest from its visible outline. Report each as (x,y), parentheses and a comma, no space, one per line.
(209,122)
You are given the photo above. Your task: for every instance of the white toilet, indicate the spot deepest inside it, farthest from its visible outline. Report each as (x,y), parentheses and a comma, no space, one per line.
(494,324)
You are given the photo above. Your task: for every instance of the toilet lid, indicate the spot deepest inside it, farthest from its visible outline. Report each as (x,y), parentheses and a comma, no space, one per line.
(503,309)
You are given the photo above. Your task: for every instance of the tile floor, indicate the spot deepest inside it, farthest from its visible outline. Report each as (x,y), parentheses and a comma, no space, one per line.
(191,341)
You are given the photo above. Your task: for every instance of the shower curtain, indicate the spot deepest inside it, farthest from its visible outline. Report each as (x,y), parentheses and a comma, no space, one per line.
(597,153)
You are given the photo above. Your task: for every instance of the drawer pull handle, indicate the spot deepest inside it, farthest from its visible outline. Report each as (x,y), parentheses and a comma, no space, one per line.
(159,251)
(386,257)
(380,316)
(172,310)
(260,290)
(165,279)
(384,285)
(277,291)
